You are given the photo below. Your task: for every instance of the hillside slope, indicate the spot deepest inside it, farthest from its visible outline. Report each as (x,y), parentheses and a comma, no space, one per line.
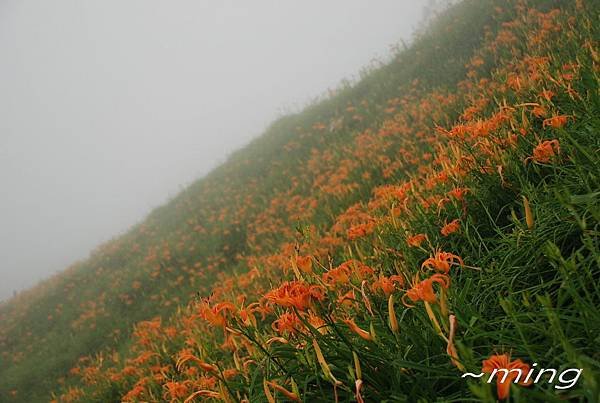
(375,246)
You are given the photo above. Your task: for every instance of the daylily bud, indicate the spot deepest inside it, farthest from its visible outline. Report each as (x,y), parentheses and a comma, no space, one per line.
(450,348)
(357,368)
(323,363)
(434,321)
(362,333)
(392,313)
(528,213)
(268,394)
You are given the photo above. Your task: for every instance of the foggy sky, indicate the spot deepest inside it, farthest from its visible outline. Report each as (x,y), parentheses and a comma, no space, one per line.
(109,107)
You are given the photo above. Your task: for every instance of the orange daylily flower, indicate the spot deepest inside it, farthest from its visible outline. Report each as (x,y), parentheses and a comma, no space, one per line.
(539,111)
(556,122)
(246,314)
(503,361)
(450,228)
(287,323)
(230,373)
(215,315)
(295,294)
(545,151)
(547,95)
(360,230)
(416,240)
(304,263)
(318,323)
(339,275)
(458,193)
(347,270)
(423,290)
(442,261)
(387,284)
(175,390)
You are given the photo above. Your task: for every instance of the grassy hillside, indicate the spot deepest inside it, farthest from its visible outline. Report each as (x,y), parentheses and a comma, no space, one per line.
(423,222)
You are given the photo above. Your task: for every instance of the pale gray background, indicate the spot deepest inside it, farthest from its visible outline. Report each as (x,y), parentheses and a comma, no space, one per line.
(109,107)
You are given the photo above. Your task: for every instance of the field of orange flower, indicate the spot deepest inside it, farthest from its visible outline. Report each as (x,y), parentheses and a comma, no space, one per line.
(438,217)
